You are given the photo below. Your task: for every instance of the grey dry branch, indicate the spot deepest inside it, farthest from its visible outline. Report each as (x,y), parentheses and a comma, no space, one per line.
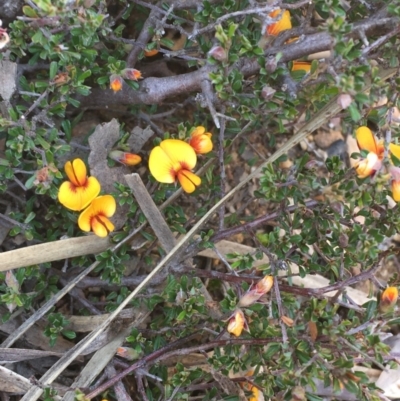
(155,90)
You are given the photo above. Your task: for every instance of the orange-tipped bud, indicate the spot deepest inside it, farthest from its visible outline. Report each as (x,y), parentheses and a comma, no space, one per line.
(265,284)
(131,74)
(128,353)
(129,159)
(150,53)
(389,299)
(219,53)
(116,83)
(200,140)
(237,322)
(257,291)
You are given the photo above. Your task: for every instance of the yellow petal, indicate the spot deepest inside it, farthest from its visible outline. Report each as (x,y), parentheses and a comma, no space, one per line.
(366,140)
(200,130)
(301,65)
(76,172)
(236,323)
(282,25)
(84,220)
(77,198)
(161,166)
(104,206)
(188,180)
(264,285)
(395,149)
(101,226)
(180,153)
(396,191)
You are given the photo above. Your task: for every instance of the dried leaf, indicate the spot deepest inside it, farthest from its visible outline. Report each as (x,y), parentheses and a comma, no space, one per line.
(8,74)
(138,138)
(287,320)
(312,327)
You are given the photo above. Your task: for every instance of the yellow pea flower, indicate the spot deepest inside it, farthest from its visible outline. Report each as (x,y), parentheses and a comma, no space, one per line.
(96,217)
(173,160)
(80,190)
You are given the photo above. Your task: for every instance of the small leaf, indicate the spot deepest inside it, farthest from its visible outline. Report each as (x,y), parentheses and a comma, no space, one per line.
(53,69)
(29,12)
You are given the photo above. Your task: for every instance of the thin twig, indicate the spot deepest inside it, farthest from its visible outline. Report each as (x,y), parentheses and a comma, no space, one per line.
(222,173)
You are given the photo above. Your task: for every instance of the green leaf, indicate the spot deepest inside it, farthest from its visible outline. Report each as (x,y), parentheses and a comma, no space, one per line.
(29,12)
(69,334)
(30,217)
(53,69)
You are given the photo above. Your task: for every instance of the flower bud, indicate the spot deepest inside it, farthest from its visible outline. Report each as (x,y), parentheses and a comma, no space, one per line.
(128,353)
(131,74)
(129,159)
(344,100)
(388,299)
(219,53)
(267,92)
(150,53)
(237,322)
(116,82)
(200,140)
(256,292)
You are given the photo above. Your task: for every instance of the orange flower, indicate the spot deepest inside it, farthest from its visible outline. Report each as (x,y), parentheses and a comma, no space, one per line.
(173,160)
(256,292)
(129,159)
(95,217)
(80,190)
(237,322)
(200,140)
(284,23)
(389,299)
(131,74)
(116,83)
(301,66)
